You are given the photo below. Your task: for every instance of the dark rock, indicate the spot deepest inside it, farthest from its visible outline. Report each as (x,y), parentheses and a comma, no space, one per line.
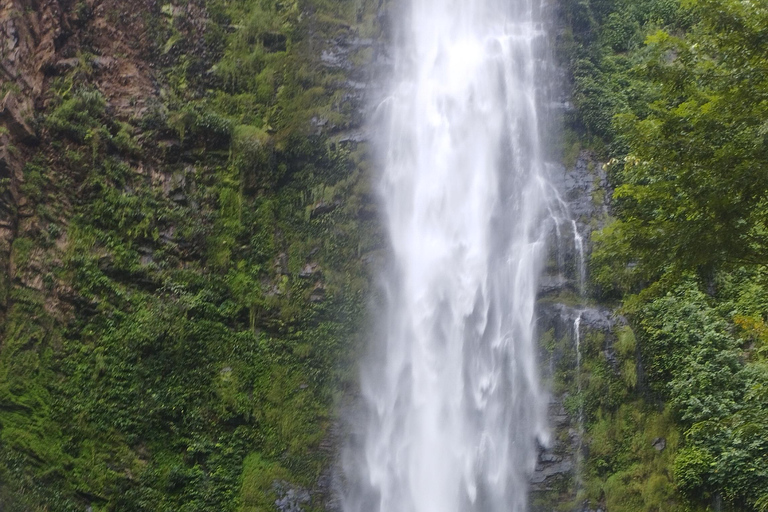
(167,235)
(563,316)
(274,41)
(318,294)
(14,115)
(322,208)
(63,65)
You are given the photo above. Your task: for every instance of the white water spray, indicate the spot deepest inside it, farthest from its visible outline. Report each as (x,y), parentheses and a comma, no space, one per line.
(454,405)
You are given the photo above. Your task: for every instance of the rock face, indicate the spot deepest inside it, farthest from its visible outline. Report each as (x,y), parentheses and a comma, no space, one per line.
(28,34)
(290,498)
(584,190)
(39,40)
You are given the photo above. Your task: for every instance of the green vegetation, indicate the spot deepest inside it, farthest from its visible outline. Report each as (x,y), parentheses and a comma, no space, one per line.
(188,284)
(673,96)
(165,346)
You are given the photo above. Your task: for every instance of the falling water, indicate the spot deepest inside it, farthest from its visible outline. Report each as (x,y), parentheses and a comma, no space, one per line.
(580,419)
(454,405)
(578,243)
(577,340)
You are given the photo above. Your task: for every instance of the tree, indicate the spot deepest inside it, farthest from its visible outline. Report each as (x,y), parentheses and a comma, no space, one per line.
(693,190)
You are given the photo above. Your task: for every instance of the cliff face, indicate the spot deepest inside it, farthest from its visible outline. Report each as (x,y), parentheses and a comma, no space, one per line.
(185,233)
(28,47)
(44,41)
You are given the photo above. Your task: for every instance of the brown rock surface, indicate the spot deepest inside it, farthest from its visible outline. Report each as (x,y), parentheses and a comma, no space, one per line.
(42,39)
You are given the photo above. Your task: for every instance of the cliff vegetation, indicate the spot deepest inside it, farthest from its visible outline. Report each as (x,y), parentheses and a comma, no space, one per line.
(184,238)
(672,96)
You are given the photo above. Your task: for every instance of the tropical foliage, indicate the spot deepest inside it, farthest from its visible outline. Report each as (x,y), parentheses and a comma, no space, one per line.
(674,97)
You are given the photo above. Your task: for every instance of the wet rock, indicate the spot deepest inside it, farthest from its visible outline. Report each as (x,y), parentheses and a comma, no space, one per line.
(356,136)
(309,270)
(563,316)
(353,84)
(281,263)
(549,457)
(290,498)
(548,471)
(584,187)
(333,58)
(319,124)
(318,293)
(552,283)
(340,50)
(557,415)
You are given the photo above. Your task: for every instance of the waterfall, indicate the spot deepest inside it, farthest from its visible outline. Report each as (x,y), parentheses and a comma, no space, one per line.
(454,408)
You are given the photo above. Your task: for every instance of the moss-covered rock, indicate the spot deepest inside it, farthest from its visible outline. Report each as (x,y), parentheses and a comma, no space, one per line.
(179,310)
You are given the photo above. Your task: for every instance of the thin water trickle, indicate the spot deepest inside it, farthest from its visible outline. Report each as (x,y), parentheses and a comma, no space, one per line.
(577,340)
(578,243)
(454,405)
(580,418)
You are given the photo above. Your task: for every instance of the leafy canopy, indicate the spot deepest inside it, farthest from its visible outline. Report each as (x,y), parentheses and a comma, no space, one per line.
(695,178)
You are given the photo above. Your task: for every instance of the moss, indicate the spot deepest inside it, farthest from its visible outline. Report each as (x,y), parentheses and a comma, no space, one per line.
(21,252)
(77,114)
(258,488)
(571,148)
(625,470)
(190,367)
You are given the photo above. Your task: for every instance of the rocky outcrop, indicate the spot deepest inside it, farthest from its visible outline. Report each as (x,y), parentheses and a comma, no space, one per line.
(584,194)
(28,34)
(41,40)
